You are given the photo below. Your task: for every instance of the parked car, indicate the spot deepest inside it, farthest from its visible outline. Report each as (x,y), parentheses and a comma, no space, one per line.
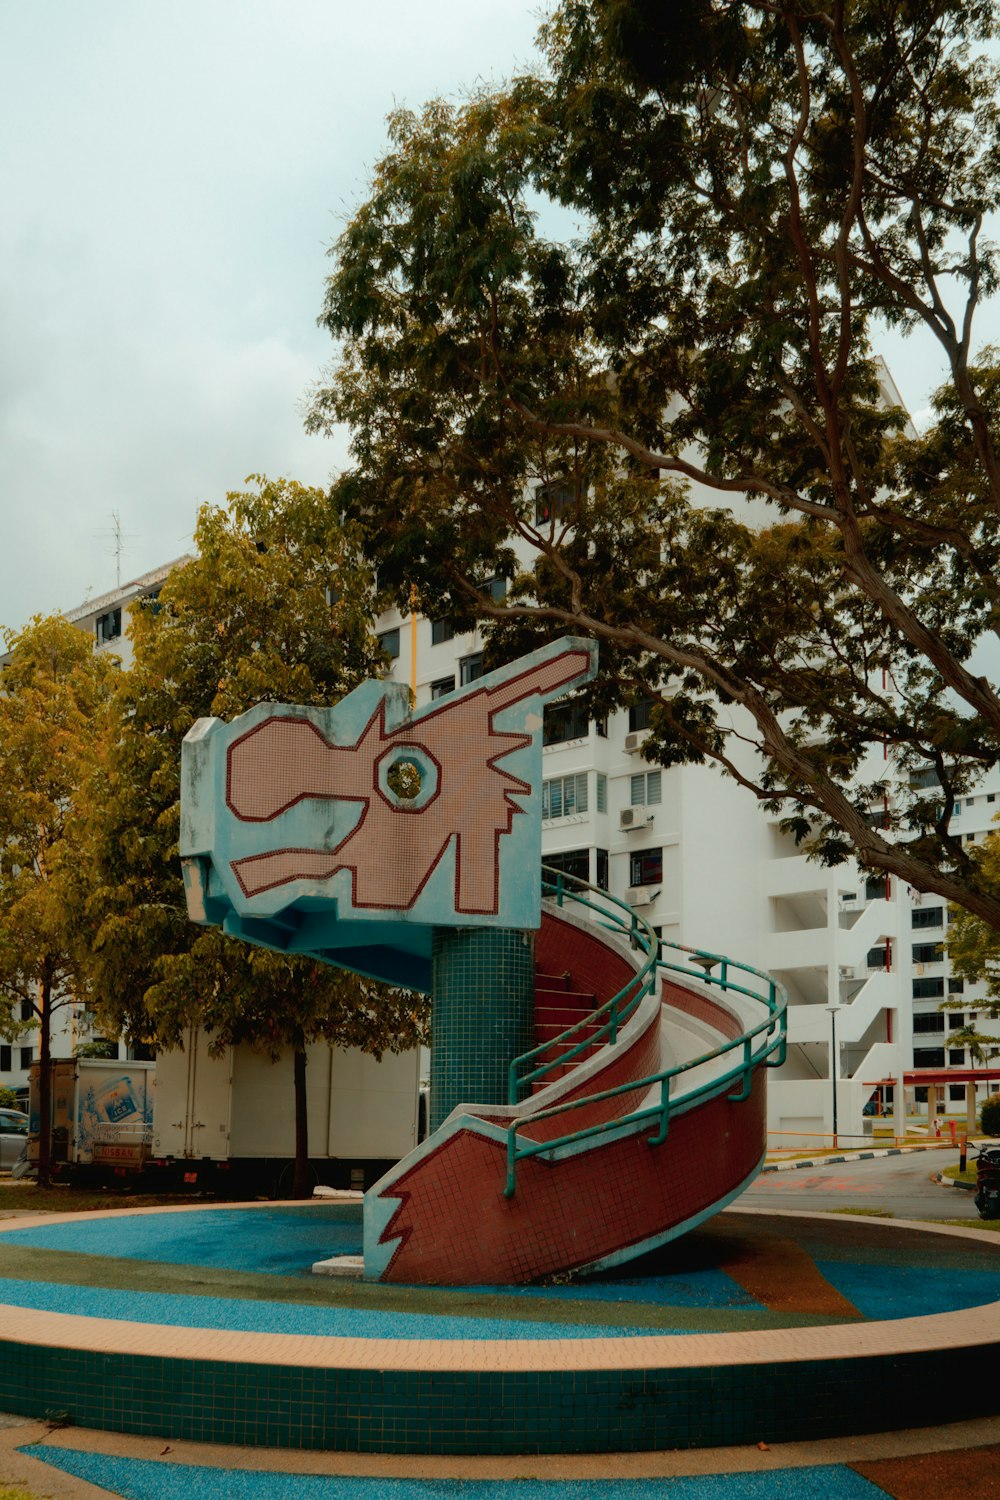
(13,1137)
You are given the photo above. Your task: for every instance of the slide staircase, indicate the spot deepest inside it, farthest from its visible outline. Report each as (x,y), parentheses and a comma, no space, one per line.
(639,1112)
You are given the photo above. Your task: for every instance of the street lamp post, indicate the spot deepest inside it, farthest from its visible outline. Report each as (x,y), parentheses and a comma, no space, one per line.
(833,1009)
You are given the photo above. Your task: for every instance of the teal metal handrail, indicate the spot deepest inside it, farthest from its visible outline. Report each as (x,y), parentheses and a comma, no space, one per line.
(611,1014)
(773,1026)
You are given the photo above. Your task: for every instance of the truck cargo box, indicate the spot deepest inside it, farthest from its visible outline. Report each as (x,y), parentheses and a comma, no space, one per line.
(102,1110)
(241,1104)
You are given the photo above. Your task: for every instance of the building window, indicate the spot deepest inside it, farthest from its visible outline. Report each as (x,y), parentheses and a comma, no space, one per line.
(956,1020)
(601,873)
(956,1093)
(928,989)
(645,867)
(928,1057)
(956,986)
(645,789)
(553,500)
(602,792)
(927,916)
(442,687)
(26,1055)
(876,958)
(932,1021)
(564,795)
(442,630)
(389,642)
(640,715)
(991,796)
(27,1010)
(956,1057)
(496,589)
(5,1059)
(876,888)
(565,720)
(470,668)
(108,627)
(927,953)
(575,862)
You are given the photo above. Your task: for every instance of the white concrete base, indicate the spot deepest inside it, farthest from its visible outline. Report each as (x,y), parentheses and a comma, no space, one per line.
(340,1265)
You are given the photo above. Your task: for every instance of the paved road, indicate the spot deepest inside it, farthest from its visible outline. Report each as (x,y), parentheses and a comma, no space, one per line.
(902,1185)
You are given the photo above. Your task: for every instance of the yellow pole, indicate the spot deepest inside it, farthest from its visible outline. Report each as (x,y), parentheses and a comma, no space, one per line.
(413,641)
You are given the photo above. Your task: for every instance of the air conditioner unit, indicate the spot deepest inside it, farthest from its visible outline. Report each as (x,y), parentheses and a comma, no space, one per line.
(634,817)
(634,741)
(641,895)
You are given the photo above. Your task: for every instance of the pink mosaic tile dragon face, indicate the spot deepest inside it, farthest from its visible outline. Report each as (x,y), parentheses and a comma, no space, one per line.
(450,753)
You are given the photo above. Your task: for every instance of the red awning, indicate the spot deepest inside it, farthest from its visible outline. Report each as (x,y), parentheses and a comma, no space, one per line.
(920,1077)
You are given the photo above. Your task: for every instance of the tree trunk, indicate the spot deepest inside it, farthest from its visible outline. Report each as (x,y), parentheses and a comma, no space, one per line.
(45,1080)
(301,1183)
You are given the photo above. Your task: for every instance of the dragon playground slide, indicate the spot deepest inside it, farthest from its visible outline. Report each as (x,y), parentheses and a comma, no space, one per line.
(640,1112)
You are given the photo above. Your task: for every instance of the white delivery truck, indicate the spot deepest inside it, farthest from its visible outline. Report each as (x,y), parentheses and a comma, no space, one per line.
(229,1120)
(102,1112)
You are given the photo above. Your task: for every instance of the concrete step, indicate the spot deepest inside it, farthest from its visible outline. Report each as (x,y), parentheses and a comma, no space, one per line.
(582,999)
(561,1019)
(552,1076)
(554,1053)
(548,1030)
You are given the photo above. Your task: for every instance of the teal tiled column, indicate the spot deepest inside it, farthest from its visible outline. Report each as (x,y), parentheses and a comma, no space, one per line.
(482,1007)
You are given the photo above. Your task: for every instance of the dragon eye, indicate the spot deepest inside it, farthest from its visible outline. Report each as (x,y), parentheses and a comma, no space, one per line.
(407,777)
(404,779)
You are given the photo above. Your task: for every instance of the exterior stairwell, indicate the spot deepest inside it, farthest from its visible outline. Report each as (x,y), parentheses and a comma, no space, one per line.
(558,1008)
(639,1112)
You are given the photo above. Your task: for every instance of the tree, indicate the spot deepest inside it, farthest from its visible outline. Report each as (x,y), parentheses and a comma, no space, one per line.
(972,945)
(275,607)
(981,1045)
(53,693)
(673,432)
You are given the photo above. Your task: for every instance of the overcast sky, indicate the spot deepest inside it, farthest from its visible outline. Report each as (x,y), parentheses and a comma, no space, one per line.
(170,178)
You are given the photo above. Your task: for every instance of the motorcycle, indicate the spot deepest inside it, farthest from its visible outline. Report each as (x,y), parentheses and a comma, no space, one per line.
(987,1198)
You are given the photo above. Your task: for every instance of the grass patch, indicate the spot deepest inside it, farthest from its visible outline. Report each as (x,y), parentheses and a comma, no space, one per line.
(955,1174)
(993,1225)
(29,1197)
(14,1492)
(864,1213)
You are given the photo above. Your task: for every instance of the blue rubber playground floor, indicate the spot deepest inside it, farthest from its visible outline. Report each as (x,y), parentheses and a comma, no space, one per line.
(143,1479)
(250,1269)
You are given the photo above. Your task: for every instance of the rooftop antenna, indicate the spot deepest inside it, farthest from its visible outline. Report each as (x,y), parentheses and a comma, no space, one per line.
(118,544)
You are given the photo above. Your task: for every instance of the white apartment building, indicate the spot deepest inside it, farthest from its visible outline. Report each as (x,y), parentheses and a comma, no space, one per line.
(860,958)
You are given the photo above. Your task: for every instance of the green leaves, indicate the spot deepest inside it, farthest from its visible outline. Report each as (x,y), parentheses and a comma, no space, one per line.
(753,191)
(54,693)
(973,944)
(276,607)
